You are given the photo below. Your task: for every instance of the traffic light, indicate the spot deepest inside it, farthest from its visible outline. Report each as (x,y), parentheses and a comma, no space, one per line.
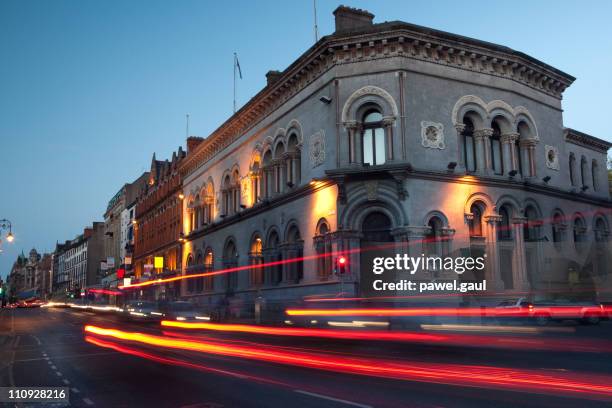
(341,263)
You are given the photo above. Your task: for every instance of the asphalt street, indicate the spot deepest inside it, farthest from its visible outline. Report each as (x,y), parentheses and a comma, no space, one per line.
(48,347)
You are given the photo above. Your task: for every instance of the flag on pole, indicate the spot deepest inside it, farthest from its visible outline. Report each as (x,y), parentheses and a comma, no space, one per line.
(238,66)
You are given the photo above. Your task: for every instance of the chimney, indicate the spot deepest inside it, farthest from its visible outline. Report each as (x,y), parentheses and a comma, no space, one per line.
(193,142)
(87,232)
(273,76)
(352,19)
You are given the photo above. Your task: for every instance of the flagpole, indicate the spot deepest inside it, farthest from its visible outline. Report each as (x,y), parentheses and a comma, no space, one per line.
(316,28)
(187,126)
(235,82)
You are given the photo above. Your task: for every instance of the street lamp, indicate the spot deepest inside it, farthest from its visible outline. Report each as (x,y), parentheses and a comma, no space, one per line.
(6,224)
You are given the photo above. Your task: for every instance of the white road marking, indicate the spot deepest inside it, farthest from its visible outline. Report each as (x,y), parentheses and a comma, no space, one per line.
(53,367)
(88,401)
(58,373)
(312,394)
(75,390)
(66,381)
(37,340)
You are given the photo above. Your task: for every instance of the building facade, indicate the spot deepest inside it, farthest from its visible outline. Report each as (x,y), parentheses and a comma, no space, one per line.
(158,220)
(115,231)
(30,276)
(396,133)
(82,257)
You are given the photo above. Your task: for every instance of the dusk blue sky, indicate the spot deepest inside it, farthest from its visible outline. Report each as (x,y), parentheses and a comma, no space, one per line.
(90,89)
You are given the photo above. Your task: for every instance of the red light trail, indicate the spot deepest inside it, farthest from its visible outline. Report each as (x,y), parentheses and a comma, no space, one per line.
(462,340)
(552,311)
(540,381)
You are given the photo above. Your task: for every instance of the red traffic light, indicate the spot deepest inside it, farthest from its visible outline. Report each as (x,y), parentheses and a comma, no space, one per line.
(342,260)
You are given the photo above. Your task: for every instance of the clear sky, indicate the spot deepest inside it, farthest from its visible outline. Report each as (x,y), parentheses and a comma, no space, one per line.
(90,89)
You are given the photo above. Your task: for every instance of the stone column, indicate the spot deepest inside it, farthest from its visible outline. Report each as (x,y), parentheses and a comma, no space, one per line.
(519,270)
(483,150)
(510,161)
(353,129)
(387,123)
(494,280)
(460,128)
(528,156)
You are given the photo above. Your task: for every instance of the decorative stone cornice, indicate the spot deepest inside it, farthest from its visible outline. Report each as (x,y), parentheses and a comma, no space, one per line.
(385,40)
(588,141)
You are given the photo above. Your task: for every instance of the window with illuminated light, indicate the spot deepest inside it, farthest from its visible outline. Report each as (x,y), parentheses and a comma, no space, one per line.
(256,260)
(323,248)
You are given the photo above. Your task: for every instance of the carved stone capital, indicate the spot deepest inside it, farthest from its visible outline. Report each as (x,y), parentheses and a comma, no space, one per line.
(518,220)
(528,142)
(351,125)
(493,219)
(483,133)
(510,137)
(388,121)
(459,127)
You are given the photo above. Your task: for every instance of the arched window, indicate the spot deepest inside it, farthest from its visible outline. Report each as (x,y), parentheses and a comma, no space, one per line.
(255,260)
(572,168)
(208,268)
(196,213)
(280,173)
(191,212)
(517,153)
(268,174)
(376,227)
(434,237)
(580,236)
(272,254)
(531,226)
(294,251)
(323,247)
(476,222)
(583,171)
(226,196)
(230,260)
(209,199)
(594,172)
(255,181)
(293,161)
(504,229)
(469,147)
(373,139)
(496,149)
(558,228)
(235,191)
(190,282)
(602,247)
(199,282)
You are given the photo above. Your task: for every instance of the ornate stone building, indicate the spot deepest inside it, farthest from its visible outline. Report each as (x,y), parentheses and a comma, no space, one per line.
(30,276)
(392,132)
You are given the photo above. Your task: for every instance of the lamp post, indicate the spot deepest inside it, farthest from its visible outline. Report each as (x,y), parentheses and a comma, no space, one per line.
(6,224)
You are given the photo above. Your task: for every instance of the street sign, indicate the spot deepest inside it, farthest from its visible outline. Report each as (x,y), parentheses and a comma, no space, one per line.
(159,262)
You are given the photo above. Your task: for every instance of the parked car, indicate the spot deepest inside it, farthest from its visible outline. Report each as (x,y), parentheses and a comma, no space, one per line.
(585,312)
